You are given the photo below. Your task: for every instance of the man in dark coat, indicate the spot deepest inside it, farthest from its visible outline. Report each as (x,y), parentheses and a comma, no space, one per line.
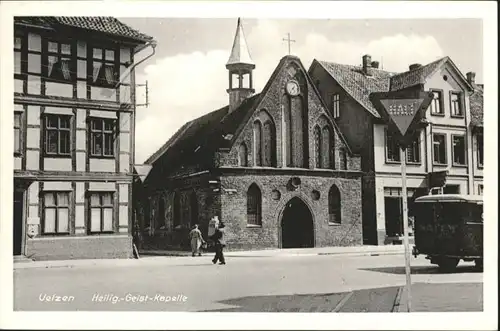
(218,238)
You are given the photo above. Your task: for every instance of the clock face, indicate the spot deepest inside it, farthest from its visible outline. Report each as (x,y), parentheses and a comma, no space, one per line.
(292,88)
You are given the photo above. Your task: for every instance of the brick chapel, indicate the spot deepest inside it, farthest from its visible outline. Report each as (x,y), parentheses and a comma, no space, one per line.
(273,166)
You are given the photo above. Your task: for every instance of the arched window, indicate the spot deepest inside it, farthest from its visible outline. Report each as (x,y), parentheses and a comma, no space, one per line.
(269,145)
(242,155)
(343,159)
(177,209)
(334,206)
(297,132)
(257,143)
(317,147)
(327,148)
(288,130)
(193,203)
(254,205)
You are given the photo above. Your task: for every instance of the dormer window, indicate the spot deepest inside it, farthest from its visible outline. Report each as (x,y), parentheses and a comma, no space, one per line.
(104,72)
(59,62)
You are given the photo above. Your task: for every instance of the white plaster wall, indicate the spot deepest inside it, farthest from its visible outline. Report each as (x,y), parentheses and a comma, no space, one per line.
(57,164)
(102,165)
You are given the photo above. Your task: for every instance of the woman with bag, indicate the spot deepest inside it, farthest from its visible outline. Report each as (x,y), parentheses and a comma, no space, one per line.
(196,240)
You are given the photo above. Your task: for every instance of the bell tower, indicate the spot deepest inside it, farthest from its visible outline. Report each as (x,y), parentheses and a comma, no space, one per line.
(240,66)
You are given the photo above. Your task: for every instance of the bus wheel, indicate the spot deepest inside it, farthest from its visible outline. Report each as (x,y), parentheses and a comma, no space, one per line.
(479,264)
(448,263)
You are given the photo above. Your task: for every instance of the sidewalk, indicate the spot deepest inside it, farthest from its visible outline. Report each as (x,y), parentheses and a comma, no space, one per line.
(449,297)
(178,257)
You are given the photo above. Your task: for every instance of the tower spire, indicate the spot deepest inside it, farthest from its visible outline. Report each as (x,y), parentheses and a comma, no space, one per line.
(240,66)
(239,52)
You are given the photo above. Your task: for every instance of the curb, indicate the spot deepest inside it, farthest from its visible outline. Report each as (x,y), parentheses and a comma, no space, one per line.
(97,263)
(397,300)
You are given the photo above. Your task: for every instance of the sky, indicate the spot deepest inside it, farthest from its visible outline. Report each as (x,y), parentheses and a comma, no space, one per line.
(187,77)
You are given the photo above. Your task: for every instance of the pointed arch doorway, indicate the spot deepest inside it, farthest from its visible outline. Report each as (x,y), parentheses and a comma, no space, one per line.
(297,227)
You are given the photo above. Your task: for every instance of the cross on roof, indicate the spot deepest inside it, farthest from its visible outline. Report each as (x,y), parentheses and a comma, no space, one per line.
(289,41)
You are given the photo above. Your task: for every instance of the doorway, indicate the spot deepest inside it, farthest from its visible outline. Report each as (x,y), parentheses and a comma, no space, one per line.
(17,238)
(297,228)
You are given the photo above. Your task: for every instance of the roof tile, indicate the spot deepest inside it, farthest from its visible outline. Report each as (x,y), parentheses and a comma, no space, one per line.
(104,24)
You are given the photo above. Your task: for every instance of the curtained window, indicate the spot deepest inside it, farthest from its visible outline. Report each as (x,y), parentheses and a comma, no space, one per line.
(254,205)
(104,72)
(59,69)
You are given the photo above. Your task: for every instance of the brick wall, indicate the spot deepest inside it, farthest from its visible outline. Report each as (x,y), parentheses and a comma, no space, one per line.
(240,236)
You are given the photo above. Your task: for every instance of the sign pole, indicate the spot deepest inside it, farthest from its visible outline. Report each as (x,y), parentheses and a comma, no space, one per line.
(405,227)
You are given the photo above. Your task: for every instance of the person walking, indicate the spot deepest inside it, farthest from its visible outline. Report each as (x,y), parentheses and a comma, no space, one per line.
(218,239)
(196,240)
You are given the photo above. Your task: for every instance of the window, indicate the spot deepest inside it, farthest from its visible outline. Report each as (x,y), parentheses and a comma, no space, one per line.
(480,151)
(480,189)
(268,145)
(103,68)
(334,208)
(451,189)
(56,213)
(18,141)
(439,142)
(317,147)
(459,151)
(18,43)
(101,212)
(101,137)
(327,148)
(393,153)
(59,67)
(254,206)
(437,103)
(336,105)
(242,155)
(57,135)
(257,143)
(413,152)
(343,159)
(456,105)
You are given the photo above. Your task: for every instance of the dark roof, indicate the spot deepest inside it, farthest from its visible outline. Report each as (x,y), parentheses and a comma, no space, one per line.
(476,106)
(416,76)
(205,134)
(357,84)
(360,86)
(103,24)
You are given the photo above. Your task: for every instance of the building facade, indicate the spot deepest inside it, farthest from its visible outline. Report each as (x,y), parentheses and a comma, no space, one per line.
(448,154)
(74,118)
(272,166)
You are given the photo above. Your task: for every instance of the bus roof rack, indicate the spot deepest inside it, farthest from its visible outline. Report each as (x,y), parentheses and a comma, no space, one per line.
(451,198)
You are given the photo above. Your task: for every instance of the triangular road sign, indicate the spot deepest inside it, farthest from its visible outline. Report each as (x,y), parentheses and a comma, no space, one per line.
(402,110)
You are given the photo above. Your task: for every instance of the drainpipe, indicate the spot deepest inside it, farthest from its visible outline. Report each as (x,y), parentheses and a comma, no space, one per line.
(129,69)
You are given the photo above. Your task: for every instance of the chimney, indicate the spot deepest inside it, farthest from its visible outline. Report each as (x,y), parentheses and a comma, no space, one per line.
(415,66)
(471,78)
(375,64)
(367,64)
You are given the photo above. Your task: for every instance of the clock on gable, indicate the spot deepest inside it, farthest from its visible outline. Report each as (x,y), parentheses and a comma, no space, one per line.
(292,88)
